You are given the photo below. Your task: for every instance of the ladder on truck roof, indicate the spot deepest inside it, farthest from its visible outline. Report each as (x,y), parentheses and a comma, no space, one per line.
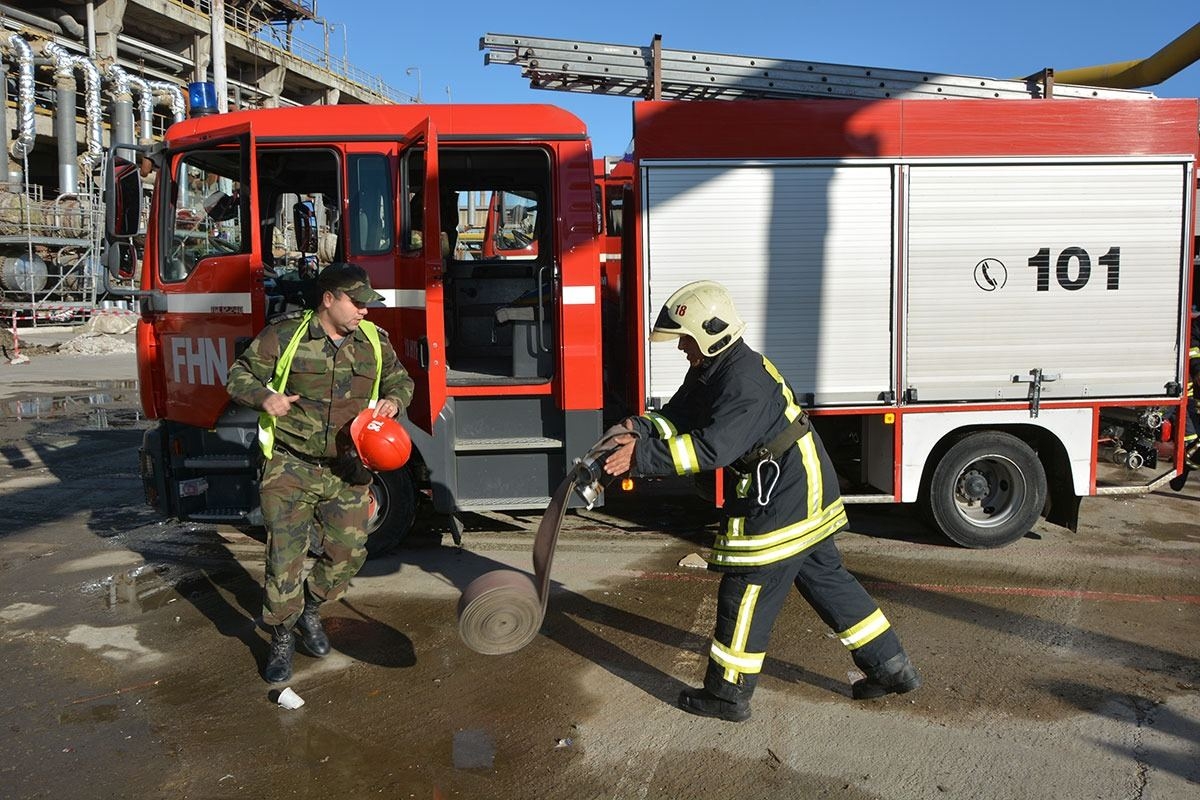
(657,73)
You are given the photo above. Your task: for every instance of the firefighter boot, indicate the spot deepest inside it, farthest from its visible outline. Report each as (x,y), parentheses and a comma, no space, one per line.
(279,659)
(704,703)
(897,675)
(312,632)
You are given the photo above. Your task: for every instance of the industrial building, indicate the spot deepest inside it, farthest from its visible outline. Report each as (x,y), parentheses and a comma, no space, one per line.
(82,74)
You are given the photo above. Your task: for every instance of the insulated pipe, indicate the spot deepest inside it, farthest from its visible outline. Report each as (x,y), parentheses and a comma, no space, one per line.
(64,63)
(1172,59)
(122,111)
(64,125)
(26,127)
(173,96)
(145,109)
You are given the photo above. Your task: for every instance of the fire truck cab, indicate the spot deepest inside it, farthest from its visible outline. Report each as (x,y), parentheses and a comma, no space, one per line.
(501,335)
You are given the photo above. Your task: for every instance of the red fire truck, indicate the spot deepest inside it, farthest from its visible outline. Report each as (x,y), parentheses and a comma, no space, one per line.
(982,303)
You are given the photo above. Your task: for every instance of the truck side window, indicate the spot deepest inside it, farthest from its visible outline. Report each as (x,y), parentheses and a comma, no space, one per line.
(208,215)
(371,206)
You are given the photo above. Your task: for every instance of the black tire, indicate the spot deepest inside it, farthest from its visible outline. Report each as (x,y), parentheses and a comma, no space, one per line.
(394,510)
(987,491)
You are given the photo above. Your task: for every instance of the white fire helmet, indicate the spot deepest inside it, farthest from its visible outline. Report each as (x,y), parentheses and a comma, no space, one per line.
(703,310)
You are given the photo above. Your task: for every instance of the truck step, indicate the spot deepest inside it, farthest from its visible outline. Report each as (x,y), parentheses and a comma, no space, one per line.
(502,503)
(217,462)
(220,515)
(508,443)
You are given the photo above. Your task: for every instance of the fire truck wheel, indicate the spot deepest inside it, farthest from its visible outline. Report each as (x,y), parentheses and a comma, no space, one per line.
(988,490)
(393,509)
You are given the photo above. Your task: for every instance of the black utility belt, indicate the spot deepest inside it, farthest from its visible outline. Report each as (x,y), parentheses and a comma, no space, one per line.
(305,457)
(774,449)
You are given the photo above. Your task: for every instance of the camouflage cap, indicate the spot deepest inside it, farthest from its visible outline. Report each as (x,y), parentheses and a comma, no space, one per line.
(350,280)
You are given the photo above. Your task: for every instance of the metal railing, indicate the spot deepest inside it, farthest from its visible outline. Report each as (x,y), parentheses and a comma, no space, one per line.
(240,20)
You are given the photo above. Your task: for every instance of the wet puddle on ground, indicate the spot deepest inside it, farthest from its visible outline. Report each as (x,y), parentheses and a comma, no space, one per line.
(474,749)
(102,393)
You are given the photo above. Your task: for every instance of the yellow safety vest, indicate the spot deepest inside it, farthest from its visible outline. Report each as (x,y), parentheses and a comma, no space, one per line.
(266,422)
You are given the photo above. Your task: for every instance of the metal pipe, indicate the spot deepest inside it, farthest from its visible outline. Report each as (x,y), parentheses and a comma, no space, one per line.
(64,120)
(64,63)
(218,55)
(1175,57)
(145,109)
(26,127)
(91,28)
(70,24)
(173,96)
(30,19)
(122,111)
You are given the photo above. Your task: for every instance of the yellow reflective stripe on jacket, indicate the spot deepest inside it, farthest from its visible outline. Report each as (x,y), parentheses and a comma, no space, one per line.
(661,424)
(759,550)
(793,410)
(283,368)
(1194,352)
(683,454)
(812,471)
(862,633)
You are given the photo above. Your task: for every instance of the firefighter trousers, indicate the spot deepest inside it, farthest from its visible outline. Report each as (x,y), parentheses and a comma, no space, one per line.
(749,602)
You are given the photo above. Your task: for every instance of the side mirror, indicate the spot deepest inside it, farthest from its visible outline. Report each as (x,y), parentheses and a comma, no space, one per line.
(304,218)
(120,260)
(123,198)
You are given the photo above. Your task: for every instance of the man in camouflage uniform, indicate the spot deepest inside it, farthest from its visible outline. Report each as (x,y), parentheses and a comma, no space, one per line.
(311,374)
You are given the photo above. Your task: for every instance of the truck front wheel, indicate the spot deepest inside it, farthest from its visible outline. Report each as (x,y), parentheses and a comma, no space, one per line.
(988,490)
(393,509)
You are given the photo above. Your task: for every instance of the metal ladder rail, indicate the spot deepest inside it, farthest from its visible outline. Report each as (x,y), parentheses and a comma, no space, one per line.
(633,71)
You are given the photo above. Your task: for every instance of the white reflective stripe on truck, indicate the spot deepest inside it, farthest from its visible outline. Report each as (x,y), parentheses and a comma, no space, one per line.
(217,303)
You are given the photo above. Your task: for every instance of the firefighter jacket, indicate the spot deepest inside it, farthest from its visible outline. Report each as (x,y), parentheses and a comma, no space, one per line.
(730,406)
(334,382)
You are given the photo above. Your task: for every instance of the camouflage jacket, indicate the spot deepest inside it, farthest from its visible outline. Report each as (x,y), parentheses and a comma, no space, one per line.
(334,384)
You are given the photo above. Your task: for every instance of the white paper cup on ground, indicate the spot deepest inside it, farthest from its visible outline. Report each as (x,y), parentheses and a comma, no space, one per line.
(289,699)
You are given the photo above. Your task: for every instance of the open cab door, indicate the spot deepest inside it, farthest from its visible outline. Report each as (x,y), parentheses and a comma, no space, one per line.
(205,265)
(420,280)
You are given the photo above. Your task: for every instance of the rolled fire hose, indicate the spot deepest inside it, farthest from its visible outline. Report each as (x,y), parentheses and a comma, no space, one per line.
(501,611)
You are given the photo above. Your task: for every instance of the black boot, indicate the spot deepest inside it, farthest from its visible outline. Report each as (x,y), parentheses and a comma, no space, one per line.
(312,632)
(897,675)
(279,660)
(704,703)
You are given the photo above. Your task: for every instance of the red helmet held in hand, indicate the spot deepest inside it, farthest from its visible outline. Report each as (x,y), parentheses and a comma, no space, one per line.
(382,442)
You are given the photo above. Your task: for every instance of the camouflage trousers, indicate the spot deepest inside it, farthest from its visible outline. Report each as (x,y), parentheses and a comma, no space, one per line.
(305,504)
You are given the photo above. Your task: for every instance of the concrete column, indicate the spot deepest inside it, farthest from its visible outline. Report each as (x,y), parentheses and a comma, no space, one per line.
(201,55)
(109,16)
(271,83)
(220,81)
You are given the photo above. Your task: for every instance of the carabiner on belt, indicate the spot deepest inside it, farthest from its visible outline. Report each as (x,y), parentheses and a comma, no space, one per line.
(765,488)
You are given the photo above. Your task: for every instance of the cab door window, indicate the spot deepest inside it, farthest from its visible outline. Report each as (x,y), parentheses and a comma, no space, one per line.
(207,216)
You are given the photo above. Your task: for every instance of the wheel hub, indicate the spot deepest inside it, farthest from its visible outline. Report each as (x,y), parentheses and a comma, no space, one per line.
(974,486)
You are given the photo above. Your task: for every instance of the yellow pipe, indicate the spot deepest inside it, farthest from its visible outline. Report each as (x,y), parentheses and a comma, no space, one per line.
(1174,58)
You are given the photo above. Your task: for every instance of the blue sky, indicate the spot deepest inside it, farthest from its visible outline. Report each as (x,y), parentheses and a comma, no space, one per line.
(1003,40)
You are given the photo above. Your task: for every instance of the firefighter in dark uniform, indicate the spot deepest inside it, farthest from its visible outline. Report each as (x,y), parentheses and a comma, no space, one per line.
(736,410)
